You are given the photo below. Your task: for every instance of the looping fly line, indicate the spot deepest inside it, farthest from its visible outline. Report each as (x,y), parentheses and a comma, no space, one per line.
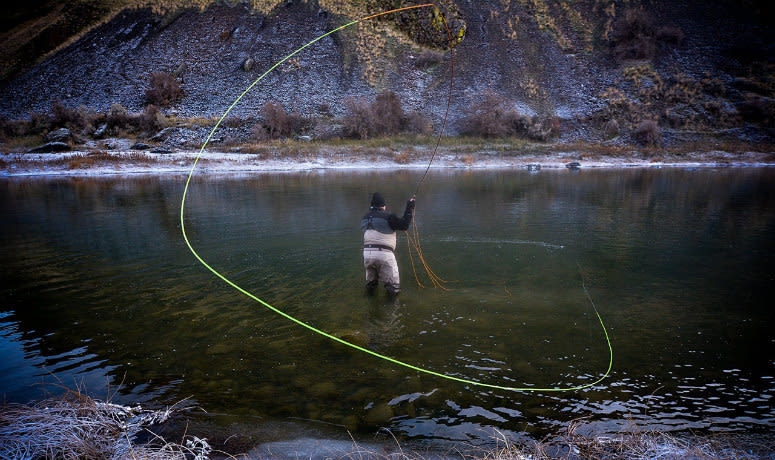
(321,332)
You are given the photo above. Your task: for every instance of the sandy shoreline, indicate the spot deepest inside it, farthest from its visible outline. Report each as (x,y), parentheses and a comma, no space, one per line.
(132,162)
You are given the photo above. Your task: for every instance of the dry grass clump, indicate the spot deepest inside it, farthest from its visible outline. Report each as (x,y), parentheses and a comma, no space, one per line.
(637,445)
(401,158)
(631,445)
(77,426)
(101,157)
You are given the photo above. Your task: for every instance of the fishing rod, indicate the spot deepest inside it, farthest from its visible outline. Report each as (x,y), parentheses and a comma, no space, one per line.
(319,331)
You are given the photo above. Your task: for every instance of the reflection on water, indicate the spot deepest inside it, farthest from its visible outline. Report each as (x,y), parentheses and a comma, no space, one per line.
(98,288)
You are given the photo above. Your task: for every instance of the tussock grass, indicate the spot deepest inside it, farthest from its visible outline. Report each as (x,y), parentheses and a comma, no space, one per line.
(77,426)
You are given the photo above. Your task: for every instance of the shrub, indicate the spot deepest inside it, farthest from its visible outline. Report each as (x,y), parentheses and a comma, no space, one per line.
(417,123)
(387,113)
(150,120)
(611,129)
(10,128)
(647,132)
(164,90)
(634,36)
(6,128)
(492,117)
(118,118)
(277,123)
(359,119)
(73,119)
(39,123)
(385,116)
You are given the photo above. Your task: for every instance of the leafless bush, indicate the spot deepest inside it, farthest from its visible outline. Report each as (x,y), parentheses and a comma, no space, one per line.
(359,119)
(647,132)
(491,117)
(11,128)
(611,129)
(417,123)
(74,119)
(276,122)
(39,123)
(387,113)
(6,127)
(151,119)
(385,116)
(118,118)
(164,90)
(634,36)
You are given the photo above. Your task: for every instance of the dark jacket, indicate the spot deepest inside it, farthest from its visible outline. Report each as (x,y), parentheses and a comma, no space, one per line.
(379,226)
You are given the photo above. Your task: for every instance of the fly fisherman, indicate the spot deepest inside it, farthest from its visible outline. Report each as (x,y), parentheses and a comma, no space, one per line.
(379,241)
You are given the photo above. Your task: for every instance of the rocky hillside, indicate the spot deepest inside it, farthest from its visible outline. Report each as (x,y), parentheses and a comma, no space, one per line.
(593,70)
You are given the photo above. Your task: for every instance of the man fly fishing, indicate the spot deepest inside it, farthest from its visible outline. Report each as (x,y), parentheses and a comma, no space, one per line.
(379,241)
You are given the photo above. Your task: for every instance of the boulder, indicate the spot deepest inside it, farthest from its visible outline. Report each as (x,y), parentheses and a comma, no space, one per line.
(51,147)
(248,64)
(101,130)
(163,134)
(58,135)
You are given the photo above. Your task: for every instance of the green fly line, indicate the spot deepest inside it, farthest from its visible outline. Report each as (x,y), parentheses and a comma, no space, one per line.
(326,334)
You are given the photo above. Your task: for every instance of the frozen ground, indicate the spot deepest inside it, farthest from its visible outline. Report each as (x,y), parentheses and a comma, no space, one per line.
(131,162)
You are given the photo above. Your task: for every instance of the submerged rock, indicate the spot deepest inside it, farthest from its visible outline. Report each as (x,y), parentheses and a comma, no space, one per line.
(379,414)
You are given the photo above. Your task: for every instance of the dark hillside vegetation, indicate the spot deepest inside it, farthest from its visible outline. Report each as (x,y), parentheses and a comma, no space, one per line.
(646,73)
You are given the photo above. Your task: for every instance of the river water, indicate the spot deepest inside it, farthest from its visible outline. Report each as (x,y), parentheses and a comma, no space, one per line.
(99,290)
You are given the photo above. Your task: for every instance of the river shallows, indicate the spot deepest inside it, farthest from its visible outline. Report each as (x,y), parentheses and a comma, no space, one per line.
(98,286)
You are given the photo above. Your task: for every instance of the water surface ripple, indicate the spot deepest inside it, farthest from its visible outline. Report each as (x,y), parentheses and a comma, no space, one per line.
(98,288)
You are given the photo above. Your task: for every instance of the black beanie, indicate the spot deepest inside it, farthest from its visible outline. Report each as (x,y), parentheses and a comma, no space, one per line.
(377,201)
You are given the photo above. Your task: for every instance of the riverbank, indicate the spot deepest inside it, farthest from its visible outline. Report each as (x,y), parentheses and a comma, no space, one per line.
(76,425)
(299,156)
